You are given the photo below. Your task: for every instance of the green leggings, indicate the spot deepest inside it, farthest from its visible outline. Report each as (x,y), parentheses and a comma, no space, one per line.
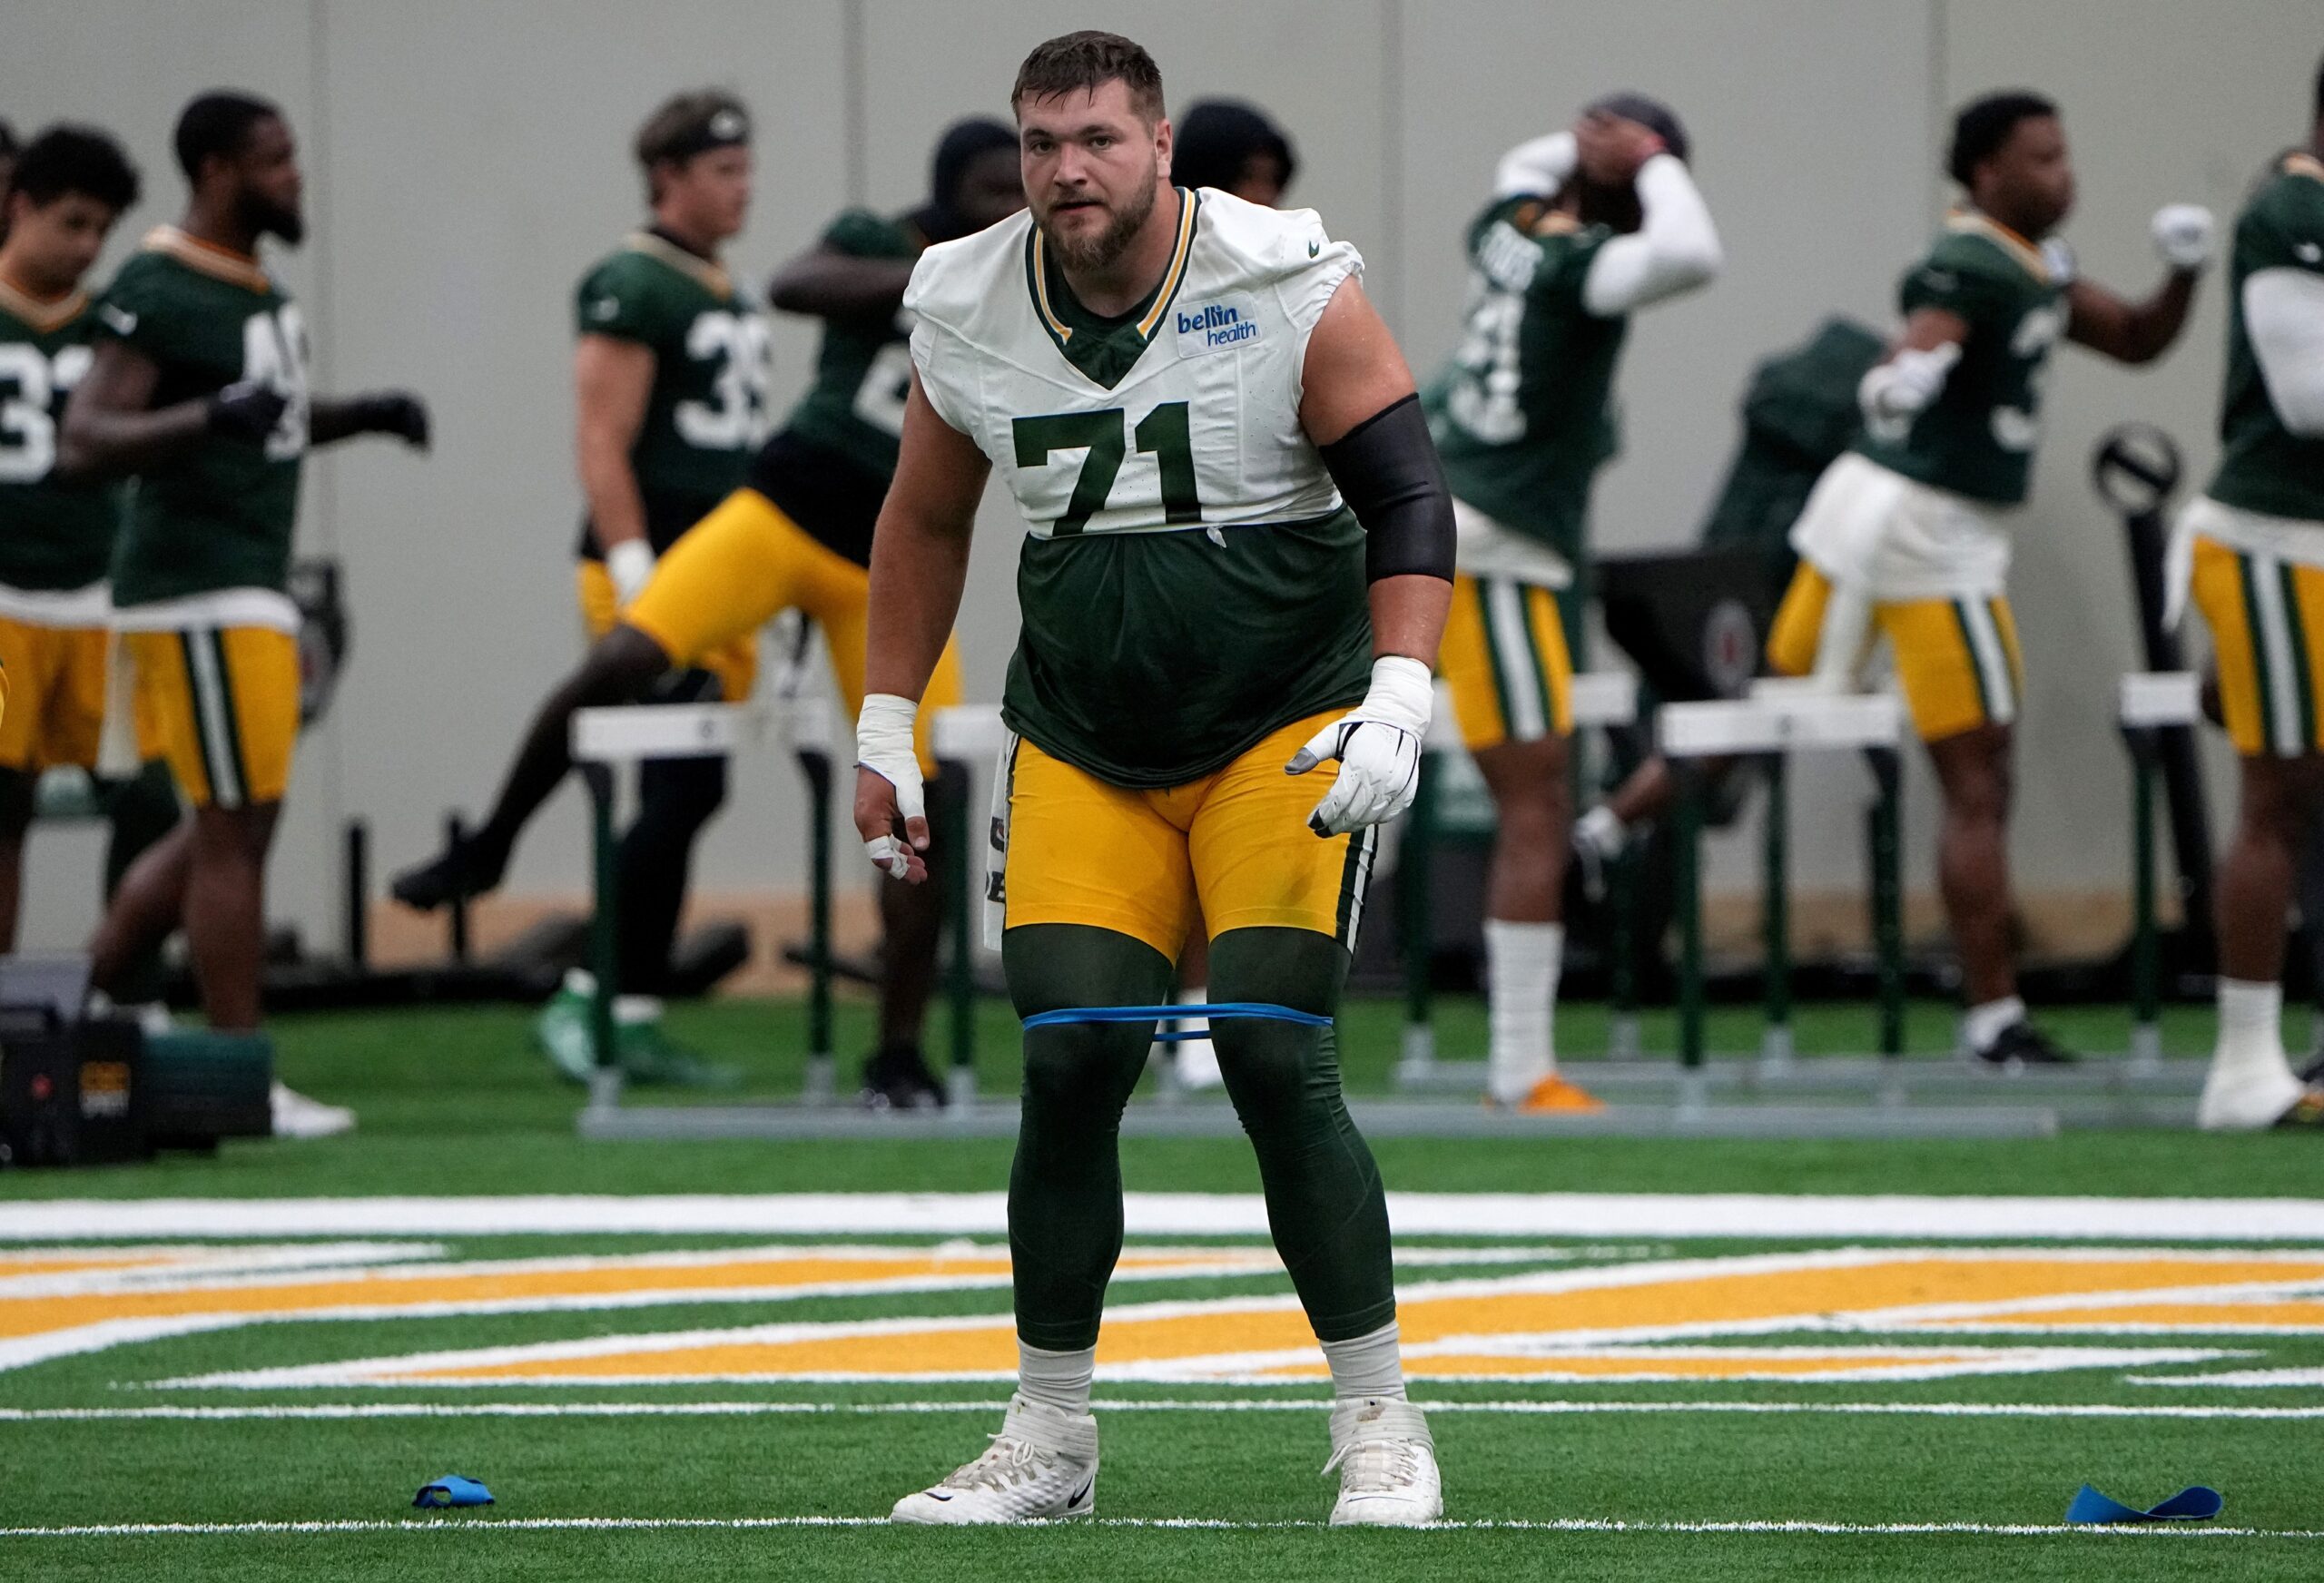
(1324,1202)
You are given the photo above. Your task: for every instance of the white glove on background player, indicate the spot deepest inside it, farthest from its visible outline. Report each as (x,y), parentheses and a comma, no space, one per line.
(630,564)
(2182,235)
(1894,392)
(884,746)
(1378,747)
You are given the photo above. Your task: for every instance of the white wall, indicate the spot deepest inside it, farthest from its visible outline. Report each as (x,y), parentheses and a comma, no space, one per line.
(466,161)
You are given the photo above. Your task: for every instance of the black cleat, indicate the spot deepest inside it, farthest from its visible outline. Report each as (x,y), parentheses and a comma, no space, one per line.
(896,1077)
(465,871)
(2022,1045)
(2306,1112)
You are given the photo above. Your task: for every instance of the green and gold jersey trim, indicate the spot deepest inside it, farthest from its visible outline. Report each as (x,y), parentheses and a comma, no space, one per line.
(209,258)
(712,278)
(42,318)
(2026,254)
(1107,350)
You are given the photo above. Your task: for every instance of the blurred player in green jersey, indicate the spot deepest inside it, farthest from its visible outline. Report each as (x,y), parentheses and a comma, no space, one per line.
(1585,227)
(199,388)
(794,533)
(1909,536)
(669,373)
(56,534)
(2253,546)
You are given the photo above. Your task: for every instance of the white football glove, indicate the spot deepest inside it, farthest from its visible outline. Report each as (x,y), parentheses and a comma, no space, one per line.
(2182,235)
(1894,392)
(630,564)
(884,746)
(1378,747)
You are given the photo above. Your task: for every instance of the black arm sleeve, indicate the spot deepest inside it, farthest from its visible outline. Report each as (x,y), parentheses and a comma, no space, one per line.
(1387,470)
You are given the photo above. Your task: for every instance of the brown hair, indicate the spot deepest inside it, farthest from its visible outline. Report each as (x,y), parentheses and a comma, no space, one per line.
(687,124)
(1084,62)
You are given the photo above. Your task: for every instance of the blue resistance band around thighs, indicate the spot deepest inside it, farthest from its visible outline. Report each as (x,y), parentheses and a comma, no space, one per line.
(1193,1011)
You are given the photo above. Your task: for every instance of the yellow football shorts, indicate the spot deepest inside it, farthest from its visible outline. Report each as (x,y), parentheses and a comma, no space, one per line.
(735,665)
(1137,861)
(1957,658)
(1505,660)
(2265,613)
(58,674)
(744,564)
(221,705)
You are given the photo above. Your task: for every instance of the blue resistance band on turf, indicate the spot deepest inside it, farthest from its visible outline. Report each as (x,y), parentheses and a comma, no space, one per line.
(2196,1503)
(452,1489)
(1192,1011)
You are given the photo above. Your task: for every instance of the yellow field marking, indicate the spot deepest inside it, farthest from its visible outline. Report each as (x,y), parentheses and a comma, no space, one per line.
(2295,1315)
(1485,1322)
(89,1314)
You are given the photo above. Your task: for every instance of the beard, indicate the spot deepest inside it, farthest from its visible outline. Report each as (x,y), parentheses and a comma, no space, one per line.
(267,218)
(1095,252)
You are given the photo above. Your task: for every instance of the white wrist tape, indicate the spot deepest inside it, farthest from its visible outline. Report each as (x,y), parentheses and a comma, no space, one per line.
(884,745)
(1402,693)
(630,564)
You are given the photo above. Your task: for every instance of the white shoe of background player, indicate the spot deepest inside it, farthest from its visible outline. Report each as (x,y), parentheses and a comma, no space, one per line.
(1197,1064)
(298,1116)
(1042,1464)
(1387,1465)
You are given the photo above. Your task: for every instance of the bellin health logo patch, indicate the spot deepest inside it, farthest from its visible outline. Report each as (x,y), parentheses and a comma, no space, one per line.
(1215,327)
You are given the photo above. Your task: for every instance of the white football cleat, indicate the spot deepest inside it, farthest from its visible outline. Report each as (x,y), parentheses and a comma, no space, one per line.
(1387,1465)
(1042,1464)
(296,1116)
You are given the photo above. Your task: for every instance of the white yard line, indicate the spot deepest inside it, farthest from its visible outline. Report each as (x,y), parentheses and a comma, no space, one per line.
(424,1409)
(1530,1215)
(740,1524)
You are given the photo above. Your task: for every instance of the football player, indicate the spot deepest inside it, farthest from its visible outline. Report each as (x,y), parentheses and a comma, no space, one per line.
(1909,533)
(56,534)
(199,388)
(2253,544)
(1237,559)
(1234,147)
(795,534)
(670,374)
(1585,226)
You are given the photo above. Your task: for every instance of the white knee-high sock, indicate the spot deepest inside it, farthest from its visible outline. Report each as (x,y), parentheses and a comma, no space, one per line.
(1367,1365)
(1058,1380)
(2251,1081)
(1522,964)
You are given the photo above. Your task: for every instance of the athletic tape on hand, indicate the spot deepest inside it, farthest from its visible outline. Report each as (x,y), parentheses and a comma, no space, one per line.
(884,745)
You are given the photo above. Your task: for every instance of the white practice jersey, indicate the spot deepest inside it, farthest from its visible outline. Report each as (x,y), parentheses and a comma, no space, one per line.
(1186,414)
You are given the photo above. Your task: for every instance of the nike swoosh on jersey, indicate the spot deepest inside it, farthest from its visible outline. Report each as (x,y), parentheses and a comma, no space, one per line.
(120,320)
(605,307)
(2309,253)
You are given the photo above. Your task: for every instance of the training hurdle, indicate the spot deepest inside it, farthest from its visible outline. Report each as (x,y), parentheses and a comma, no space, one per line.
(2152,703)
(1601,698)
(1776,721)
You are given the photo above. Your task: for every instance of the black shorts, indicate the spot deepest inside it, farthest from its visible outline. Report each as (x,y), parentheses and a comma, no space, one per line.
(833,500)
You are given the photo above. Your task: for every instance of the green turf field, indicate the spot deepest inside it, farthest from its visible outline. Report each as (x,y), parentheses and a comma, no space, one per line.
(713,1405)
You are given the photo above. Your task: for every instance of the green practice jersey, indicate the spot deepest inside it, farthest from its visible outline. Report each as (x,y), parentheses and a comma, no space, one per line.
(1977,437)
(55,534)
(707,409)
(855,408)
(1524,415)
(219,514)
(2264,466)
